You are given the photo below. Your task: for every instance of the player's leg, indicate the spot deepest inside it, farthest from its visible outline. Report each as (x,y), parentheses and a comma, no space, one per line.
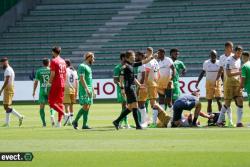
(42,114)
(52,117)
(85,108)
(7,102)
(169,95)
(218,94)
(239,104)
(177,114)
(209,106)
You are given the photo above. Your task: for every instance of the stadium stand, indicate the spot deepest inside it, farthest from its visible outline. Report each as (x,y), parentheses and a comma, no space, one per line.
(108,27)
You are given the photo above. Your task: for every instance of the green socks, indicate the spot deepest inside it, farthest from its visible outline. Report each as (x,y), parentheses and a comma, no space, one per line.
(85,118)
(42,115)
(79,115)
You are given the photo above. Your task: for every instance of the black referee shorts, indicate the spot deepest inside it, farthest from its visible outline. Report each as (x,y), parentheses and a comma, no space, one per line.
(131,94)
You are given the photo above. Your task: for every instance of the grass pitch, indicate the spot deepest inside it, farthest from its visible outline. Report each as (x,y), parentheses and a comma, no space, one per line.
(104,146)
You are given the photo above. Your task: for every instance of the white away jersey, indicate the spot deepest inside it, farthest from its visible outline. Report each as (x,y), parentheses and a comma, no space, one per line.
(164,66)
(71,77)
(211,69)
(10,72)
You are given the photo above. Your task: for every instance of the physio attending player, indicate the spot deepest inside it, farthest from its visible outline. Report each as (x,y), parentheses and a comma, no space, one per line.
(86,90)
(70,92)
(180,69)
(8,92)
(245,74)
(186,102)
(128,86)
(232,88)
(120,98)
(42,77)
(142,91)
(57,81)
(222,73)
(213,86)
(165,83)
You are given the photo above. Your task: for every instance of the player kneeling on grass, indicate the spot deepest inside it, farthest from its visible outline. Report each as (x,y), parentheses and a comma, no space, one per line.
(186,102)
(8,89)
(70,92)
(86,91)
(42,76)
(128,85)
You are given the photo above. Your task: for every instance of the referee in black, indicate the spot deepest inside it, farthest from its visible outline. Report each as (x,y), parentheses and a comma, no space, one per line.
(128,87)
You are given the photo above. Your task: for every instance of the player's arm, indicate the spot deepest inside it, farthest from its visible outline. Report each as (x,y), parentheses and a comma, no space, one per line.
(52,76)
(147,70)
(184,70)
(142,77)
(200,78)
(83,82)
(76,87)
(5,83)
(173,71)
(243,77)
(147,60)
(230,73)
(137,83)
(122,85)
(34,87)
(220,73)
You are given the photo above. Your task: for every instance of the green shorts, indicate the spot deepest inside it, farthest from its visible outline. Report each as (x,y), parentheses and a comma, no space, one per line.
(85,99)
(43,98)
(120,98)
(176,91)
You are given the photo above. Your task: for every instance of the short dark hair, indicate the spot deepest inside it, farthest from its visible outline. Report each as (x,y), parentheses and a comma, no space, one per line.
(122,55)
(45,61)
(57,49)
(161,50)
(246,54)
(129,53)
(237,48)
(229,43)
(4,59)
(173,50)
(140,53)
(68,62)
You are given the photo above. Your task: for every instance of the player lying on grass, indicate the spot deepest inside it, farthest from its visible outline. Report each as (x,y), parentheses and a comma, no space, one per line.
(128,86)
(8,92)
(186,102)
(42,77)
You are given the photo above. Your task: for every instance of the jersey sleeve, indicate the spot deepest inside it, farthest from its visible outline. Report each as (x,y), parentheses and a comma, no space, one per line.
(37,75)
(182,66)
(228,65)
(52,65)
(7,73)
(170,62)
(116,72)
(243,72)
(81,70)
(122,70)
(205,66)
(221,63)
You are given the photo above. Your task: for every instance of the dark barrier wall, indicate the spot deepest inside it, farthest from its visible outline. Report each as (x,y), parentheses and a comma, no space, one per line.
(6,5)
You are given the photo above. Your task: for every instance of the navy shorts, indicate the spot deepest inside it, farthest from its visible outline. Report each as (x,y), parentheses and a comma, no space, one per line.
(179,106)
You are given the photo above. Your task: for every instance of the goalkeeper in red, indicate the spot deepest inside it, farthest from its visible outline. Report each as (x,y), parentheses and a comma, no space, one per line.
(57,81)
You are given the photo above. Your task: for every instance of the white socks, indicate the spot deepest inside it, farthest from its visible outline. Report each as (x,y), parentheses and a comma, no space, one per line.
(16,113)
(7,119)
(143,113)
(155,114)
(162,106)
(239,114)
(222,114)
(230,115)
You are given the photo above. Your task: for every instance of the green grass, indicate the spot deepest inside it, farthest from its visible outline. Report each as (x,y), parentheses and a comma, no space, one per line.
(104,146)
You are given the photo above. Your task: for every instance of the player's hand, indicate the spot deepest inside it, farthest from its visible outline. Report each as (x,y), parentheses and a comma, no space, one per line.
(94,95)
(123,94)
(89,94)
